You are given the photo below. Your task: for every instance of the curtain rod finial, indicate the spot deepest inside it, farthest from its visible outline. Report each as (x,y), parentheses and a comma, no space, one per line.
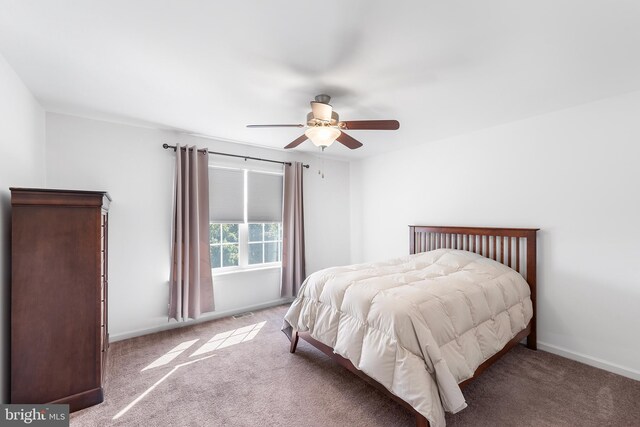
(165,145)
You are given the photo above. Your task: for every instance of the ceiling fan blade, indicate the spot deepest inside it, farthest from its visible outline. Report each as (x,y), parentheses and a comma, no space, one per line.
(348,141)
(297,142)
(276,126)
(370,125)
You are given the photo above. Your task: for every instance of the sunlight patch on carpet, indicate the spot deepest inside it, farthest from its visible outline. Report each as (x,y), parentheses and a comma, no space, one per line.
(229,338)
(157,383)
(170,355)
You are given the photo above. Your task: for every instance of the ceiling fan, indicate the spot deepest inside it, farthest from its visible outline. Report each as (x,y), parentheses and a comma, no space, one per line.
(324,126)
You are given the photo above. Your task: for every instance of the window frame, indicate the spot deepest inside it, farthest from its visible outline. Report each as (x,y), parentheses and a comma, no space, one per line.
(243,234)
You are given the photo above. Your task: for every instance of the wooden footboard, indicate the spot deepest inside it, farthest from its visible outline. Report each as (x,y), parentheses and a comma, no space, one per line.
(510,246)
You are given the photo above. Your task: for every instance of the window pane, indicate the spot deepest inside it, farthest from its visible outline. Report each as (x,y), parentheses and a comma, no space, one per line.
(229,255)
(271,252)
(271,231)
(214,233)
(215,256)
(230,234)
(255,253)
(255,232)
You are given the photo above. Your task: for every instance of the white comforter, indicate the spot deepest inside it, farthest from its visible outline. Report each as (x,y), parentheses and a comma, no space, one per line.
(420,324)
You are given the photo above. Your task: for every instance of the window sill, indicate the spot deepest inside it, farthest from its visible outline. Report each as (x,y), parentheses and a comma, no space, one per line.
(246,269)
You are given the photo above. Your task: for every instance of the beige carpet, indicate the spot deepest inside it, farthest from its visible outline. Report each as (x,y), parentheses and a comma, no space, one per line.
(243,375)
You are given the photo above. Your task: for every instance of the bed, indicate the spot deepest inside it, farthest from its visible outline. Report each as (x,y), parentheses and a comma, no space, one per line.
(420,327)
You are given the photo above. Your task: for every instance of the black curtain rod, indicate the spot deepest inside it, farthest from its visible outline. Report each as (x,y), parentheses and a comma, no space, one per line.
(173,147)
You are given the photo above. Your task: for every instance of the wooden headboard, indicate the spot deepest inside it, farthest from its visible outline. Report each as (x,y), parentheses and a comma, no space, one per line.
(509,246)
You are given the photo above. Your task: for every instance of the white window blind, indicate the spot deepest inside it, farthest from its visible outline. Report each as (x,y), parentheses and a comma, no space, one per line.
(264,197)
(226,195)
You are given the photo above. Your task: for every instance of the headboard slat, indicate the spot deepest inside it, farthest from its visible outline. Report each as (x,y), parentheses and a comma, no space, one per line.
(495,248)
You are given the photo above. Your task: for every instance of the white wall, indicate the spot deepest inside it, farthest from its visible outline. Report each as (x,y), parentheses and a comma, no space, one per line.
(573,173)
(131,165)
(21,165)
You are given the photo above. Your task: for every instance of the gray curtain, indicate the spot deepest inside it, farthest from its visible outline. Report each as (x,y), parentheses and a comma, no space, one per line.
(190,279)
(292,232)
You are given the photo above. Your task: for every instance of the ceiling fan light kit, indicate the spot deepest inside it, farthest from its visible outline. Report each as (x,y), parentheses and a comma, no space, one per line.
(322,136)
(325,127)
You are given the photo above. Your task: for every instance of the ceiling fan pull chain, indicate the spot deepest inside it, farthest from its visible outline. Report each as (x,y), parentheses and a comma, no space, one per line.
(321,168)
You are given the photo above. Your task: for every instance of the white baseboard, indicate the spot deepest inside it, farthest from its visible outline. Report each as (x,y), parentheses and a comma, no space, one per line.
(591,361)
(215,315)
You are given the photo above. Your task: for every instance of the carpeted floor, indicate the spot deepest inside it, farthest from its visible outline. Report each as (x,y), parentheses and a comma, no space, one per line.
(238,372)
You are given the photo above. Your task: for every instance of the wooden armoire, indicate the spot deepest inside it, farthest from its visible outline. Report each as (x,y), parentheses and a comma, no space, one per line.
(59,333)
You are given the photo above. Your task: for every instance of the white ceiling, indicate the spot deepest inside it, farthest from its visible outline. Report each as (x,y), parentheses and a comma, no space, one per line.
(210,67)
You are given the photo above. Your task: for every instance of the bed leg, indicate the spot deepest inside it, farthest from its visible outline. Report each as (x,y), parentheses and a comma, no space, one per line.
(293,337)
(294,343)
(421,421)
(532,341)
(532,338)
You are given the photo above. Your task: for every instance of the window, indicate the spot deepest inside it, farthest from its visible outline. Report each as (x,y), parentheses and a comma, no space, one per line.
(245,225)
